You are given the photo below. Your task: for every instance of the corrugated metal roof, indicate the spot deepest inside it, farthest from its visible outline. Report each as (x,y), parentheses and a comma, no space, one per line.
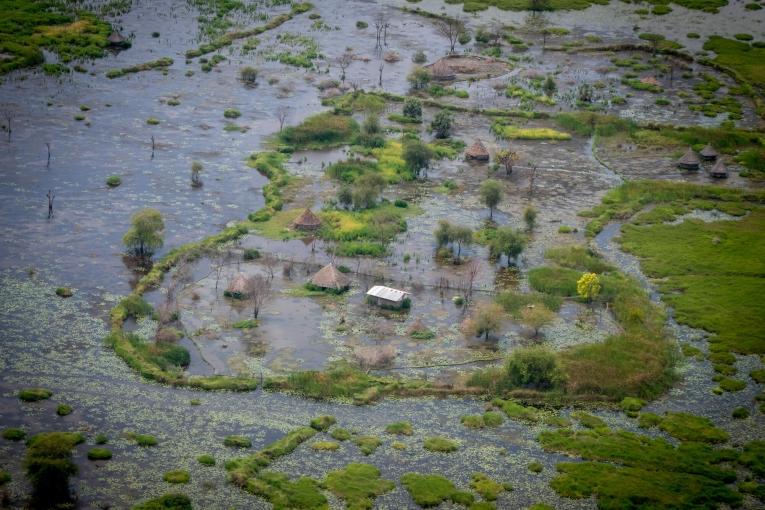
(387,293)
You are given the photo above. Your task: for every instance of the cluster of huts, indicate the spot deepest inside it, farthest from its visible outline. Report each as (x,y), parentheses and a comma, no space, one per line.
(692,161)
(328,278)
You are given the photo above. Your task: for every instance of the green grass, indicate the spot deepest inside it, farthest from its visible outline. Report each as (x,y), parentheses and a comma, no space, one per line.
(35,394)
(440,444)
(64,409)
(753,457)
(358,485)
(432,490)
(237,441)
(367,444)
(206,460)
(286,494)
(402,428)
(144,439)
(588,420)
(166,502)
(525,5)
(320,131)
(747,61)
(99,454)
(340,434)
(325,446)
(161,64)
(14,434)
(510,132)
(323,423)
(26,28)
(688,427)
(691,258)
(485,487)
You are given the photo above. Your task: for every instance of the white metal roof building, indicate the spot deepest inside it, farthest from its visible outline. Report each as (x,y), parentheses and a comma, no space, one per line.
(387,294)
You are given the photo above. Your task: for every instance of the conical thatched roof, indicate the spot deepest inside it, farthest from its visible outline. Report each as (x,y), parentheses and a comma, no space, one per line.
(329,277)
(689,161)
(115,38)
(719,170)
(477,151)
(709,153)
(441,71)
(306,221)
(238,285)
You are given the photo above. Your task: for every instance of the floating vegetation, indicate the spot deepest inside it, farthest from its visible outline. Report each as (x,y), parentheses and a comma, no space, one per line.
(237,441)
(367,444)
(440,444)
(35,394)
(161,64)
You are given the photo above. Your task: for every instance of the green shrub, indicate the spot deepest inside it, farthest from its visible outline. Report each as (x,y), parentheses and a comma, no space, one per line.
(35,394)
(99,454)
(361,24)
(206,460)
(113,181)
(64,292)
(320,131)
(49,465)
(535,467)
(14,434)
(251,254)
(729,384)
(367,444)
(64,409)
(340,434)
(101,439)
(144,439)
(740,413)
(487,488)
(325,446)
(358,485)
(432,490)
(743,37)
(232,113)
(152,121)
(534,367)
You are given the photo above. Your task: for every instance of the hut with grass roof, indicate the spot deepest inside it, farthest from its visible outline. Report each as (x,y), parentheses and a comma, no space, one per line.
(117,40)
(477,152)
(689,160)
(708,153)
(329,278)
(307,221)
(237,287)
(719,170)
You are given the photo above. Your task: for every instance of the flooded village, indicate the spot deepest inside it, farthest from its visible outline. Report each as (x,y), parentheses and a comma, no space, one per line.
(481,254)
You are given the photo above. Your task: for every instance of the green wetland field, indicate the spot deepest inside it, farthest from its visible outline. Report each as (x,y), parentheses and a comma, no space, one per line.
(480,254)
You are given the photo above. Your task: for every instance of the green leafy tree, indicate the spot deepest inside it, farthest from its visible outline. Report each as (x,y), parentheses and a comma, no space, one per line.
(491,194)
(461,236)
(145,235)
(366,190)
(417,156)
(530,217)
(413,108)
(537,316)
(418,78)
(443,233)
(442,124)
(549,86)
(534,367)
(345,197)
(487,319)
(509,242)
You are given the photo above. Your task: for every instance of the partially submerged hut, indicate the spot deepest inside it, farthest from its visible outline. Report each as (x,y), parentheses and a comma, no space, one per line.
(117,40)
(330,278)
(708,153)
(719,170)
(306,221)
(388,297)
(237,287)
(689,161)
(477,152)
(441,71)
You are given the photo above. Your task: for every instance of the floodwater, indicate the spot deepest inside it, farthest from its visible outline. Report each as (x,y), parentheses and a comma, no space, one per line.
(58,344)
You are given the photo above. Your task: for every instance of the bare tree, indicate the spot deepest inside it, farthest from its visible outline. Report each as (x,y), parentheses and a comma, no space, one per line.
(51,195)
(343,61)
(269,262)
(382,66)
(507,158)
(281,116)
(8,113)
(532,178)
(257,289)
(451,28)
(220,260)
(381,22)
(47,144)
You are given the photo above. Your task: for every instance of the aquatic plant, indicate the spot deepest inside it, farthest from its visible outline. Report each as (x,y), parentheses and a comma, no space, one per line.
(440,444)
(358,485)
(35,394)
(237,441)
(99,454)
(177,476)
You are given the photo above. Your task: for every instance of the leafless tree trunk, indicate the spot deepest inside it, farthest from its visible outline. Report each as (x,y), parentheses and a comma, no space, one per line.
(380,21)
(532,178)
(47,144)
(281,115)
(343,61)
(269,262)
(220,261)
(51,195)
(257,290)
(8,112)
(152,146)
(382,66)
(451,29)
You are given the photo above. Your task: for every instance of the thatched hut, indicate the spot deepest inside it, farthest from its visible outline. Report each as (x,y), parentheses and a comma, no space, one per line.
(477,152)
(117,40)
(330,278)
(708,153)
(306,221)
(441,71)
(237,287)
(719,170)
(689,160)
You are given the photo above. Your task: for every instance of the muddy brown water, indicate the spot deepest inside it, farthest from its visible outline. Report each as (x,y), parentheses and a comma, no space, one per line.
(56,343)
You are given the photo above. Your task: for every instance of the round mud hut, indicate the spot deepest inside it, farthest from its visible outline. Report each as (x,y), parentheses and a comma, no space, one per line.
(719,170)
(117,40)
(689,160)
(307,221)
(708,153)
(477,152)
(237,287)
(329,278)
